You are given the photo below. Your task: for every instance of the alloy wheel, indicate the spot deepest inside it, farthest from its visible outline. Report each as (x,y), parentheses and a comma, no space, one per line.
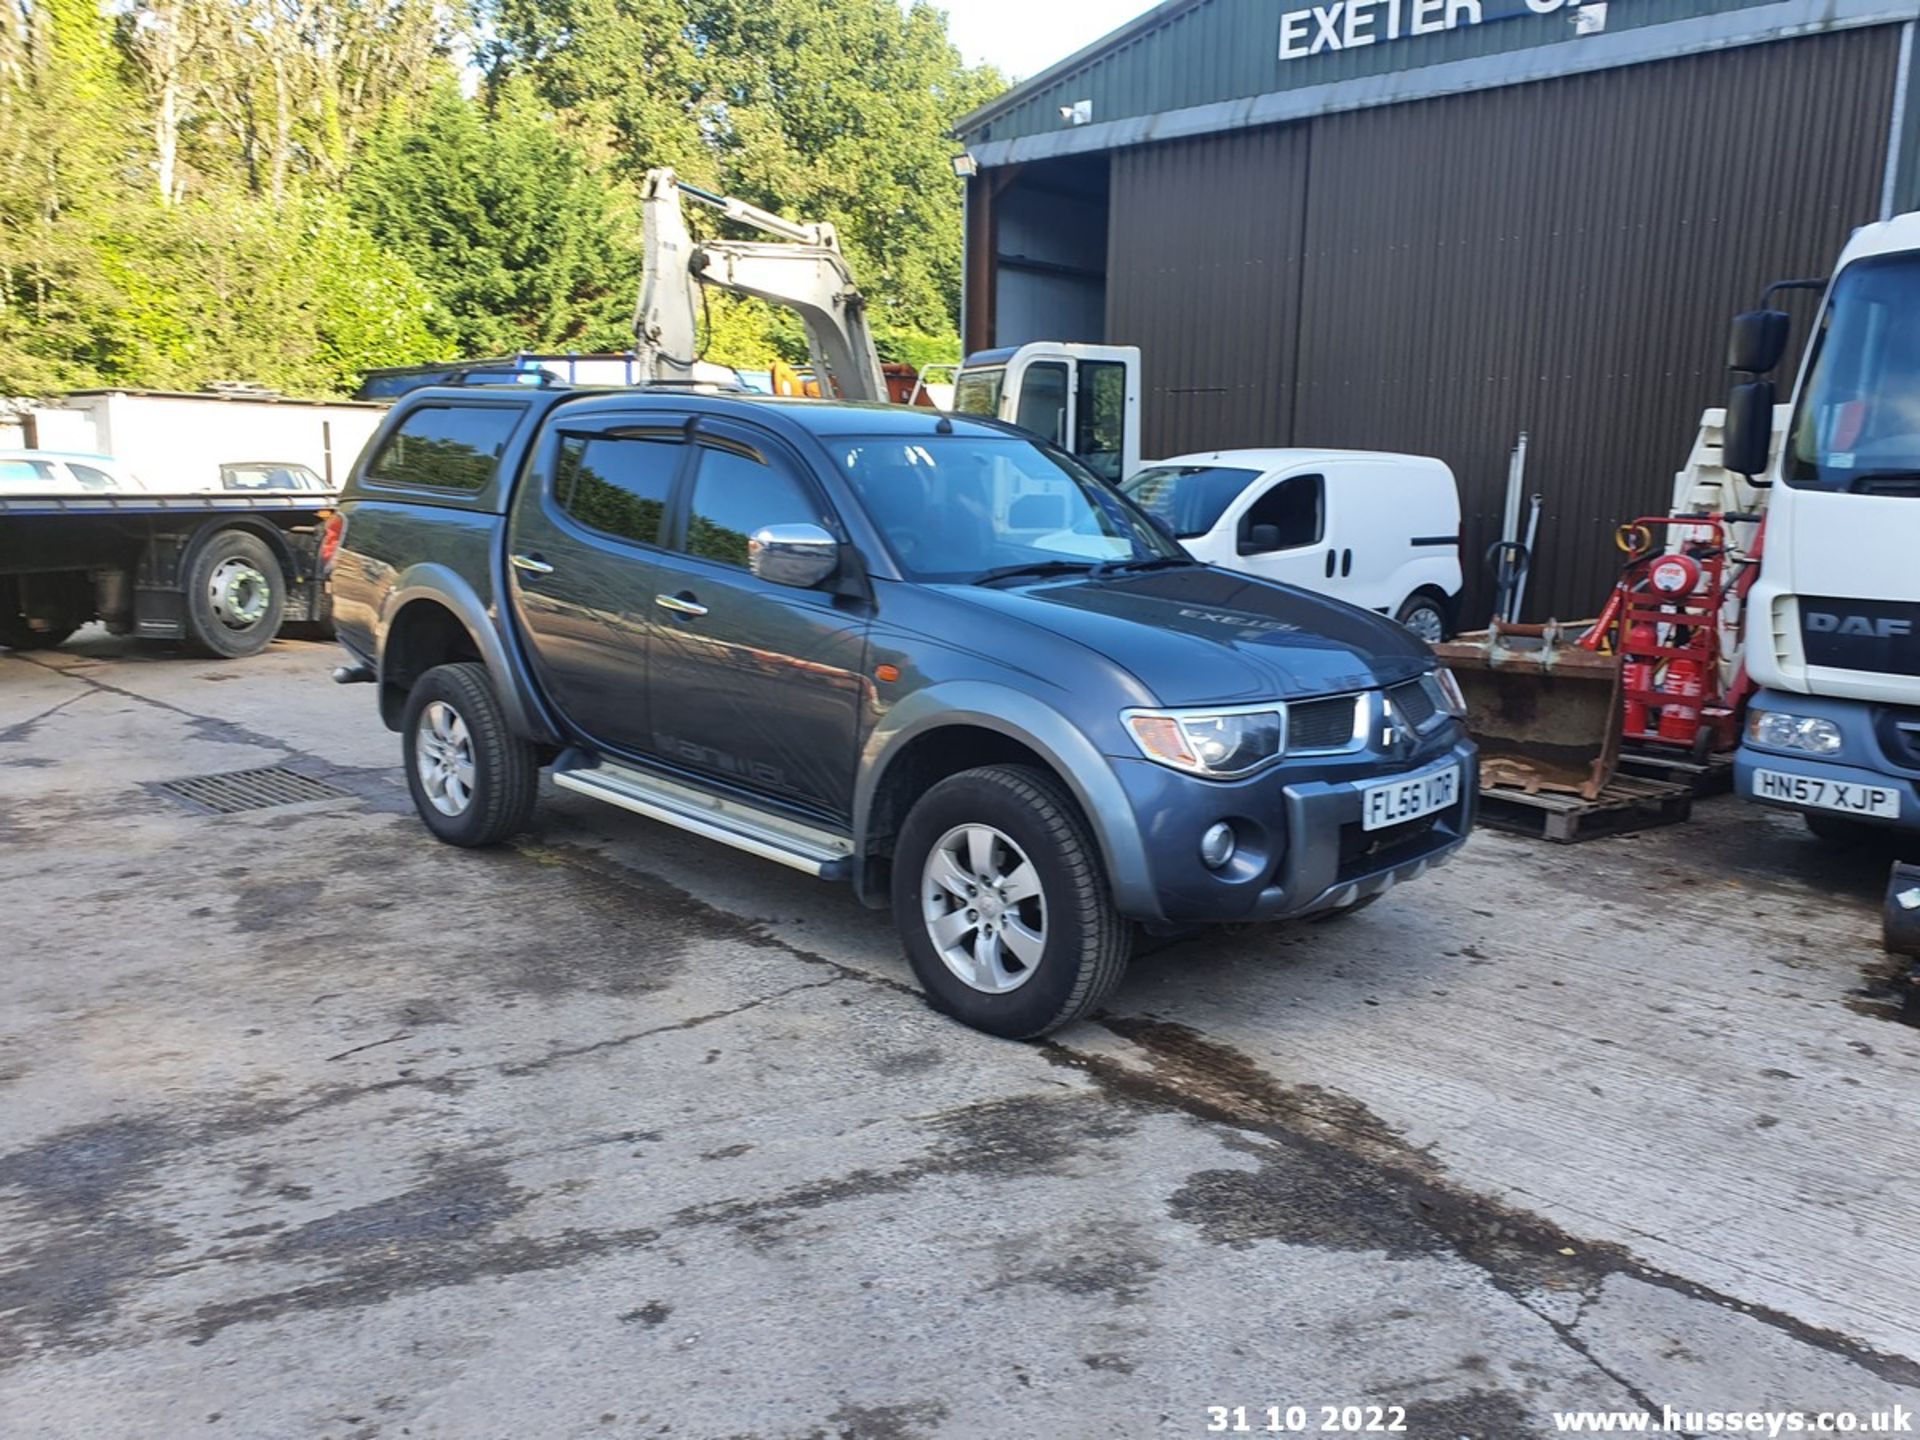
(984,908)
(443,758)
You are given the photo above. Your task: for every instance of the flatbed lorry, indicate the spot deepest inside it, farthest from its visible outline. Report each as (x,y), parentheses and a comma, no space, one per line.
(221,571)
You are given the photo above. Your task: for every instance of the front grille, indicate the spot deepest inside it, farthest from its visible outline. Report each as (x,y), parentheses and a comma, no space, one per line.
(1878,635)
(1321,724)
(1413,702)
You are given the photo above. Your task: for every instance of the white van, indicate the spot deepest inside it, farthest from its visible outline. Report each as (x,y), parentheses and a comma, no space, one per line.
(1374,529)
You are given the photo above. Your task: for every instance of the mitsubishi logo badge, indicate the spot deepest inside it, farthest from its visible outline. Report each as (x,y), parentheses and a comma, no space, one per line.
(1395,732)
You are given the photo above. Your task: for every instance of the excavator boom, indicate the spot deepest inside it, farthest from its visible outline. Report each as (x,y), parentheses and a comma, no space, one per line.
(802,270)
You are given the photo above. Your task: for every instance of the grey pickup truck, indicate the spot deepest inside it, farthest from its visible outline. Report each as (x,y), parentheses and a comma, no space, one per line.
(928,655)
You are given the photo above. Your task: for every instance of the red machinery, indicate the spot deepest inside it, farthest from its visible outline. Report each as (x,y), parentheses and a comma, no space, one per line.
(1675,619)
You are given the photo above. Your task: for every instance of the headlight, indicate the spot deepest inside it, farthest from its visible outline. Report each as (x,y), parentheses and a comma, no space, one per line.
(1778,730)
(1446,693)
(1220,743)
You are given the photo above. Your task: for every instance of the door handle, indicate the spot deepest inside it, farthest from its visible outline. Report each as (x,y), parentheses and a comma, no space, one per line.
(532,564)
(1346,563)
(1331,556)
(679,605)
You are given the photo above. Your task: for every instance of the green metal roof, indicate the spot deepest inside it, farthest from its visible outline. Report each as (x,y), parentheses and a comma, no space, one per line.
(1190,66)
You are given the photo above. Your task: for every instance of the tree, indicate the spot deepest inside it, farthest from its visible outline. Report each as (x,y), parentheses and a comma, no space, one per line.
(817,109)
(522,239)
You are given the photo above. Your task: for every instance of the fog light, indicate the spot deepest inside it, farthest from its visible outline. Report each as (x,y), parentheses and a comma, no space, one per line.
(1216,846)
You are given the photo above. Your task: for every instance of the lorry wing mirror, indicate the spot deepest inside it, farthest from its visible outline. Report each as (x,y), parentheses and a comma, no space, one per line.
(1758,340)
(1746,440)
(1260,539)
(797,555)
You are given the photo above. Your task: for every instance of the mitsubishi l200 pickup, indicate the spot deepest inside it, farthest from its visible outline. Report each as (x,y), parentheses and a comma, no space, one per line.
(874,643)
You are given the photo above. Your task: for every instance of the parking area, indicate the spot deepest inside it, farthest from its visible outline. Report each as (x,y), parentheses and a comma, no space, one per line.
(310,1125)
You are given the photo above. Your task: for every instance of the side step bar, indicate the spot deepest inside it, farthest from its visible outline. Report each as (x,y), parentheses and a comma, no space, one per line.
(771,837)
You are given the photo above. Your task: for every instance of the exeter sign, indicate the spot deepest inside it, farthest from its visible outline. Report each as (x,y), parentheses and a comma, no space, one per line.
(1348,24)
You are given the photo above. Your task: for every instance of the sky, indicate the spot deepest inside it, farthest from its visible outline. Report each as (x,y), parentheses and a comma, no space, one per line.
(1024,37)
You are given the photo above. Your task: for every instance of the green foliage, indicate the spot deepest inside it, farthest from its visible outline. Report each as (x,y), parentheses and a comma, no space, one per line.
(291,192)
(524,243)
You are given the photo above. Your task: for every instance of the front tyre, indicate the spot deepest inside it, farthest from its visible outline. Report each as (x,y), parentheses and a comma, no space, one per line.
(472,779)
(1002,904)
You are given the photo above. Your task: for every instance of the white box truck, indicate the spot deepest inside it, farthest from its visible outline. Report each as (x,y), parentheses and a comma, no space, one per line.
(1833,622)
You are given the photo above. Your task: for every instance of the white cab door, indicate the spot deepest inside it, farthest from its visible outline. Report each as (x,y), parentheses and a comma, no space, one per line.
(1282,530)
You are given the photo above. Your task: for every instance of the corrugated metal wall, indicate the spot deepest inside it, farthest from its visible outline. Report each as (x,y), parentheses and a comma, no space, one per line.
(1560,258)
(1203,274)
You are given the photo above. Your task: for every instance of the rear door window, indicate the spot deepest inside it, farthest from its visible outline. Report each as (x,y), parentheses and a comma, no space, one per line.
(618,484)
(446,447)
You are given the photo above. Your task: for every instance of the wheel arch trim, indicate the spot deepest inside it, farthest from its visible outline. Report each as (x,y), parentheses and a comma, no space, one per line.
(1067,751)
(439,584)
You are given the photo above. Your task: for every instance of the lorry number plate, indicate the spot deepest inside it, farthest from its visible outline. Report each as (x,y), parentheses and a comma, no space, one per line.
(1840,795)
(1389,802)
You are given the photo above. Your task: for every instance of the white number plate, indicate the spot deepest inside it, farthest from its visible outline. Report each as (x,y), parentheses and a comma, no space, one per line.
(1388,802)
(1841,795)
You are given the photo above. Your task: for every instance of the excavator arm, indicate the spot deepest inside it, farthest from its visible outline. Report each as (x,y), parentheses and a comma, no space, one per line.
(802,270)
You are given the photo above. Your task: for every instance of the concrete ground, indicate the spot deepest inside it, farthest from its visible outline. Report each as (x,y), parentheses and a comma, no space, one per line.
(311,1126)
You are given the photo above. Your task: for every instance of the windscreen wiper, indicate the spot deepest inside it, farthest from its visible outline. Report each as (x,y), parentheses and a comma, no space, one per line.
(1037,567)
(1151,562)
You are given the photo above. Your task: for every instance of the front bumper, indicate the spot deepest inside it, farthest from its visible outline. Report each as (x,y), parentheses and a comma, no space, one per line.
(1301,845)
(1880,747)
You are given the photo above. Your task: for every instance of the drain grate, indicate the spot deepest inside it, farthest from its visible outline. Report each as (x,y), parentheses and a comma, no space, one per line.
(251,790)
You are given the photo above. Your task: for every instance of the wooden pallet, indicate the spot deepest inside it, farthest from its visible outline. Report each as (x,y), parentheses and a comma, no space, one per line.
(1715,777)
(1628,803)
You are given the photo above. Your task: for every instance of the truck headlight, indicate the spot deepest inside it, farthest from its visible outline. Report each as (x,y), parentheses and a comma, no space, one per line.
(1779,730)
(1218,743)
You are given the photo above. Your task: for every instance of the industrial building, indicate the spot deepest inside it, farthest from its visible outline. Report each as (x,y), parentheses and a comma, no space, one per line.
(1430,225)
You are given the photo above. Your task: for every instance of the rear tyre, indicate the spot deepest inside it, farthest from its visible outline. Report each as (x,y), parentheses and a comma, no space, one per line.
(236,596)
(17,634)
(473,780)
(1424,615)
(1003,906)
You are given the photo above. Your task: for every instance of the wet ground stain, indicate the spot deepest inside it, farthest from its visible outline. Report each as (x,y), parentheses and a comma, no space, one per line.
(438,1234)
(1380,1191)
(1006,1138)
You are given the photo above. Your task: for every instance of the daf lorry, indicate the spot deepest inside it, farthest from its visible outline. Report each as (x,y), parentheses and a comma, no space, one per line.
(1833,622)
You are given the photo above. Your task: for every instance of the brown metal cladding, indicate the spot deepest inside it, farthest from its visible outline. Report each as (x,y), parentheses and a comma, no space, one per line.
(1560,258)
(1203,274)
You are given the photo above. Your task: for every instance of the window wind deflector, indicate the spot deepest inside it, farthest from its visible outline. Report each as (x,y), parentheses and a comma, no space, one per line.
(635,431)
(1037,568)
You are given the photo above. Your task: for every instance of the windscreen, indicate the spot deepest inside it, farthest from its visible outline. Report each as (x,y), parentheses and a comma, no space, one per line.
(1857,427)
(953,508)
(1188,499)
(977,392)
